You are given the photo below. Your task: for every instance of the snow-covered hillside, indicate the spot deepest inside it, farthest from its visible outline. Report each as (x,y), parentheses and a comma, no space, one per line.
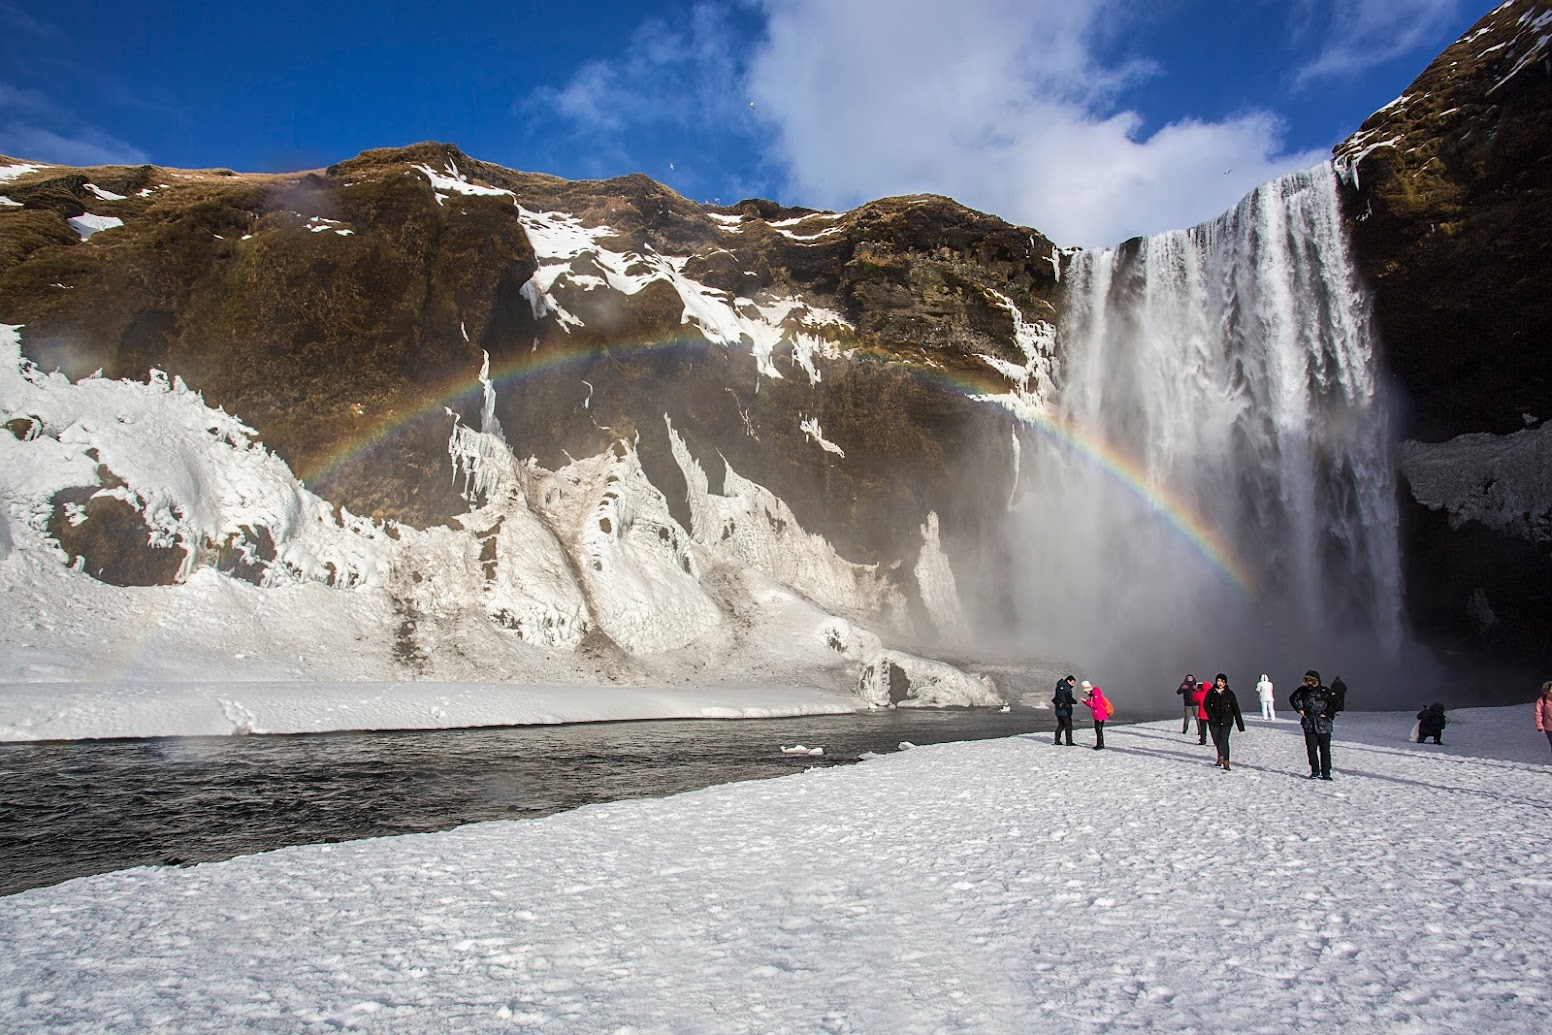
(992,887)
(577,576)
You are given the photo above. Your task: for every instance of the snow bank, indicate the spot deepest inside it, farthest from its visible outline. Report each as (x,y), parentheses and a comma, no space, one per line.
(81,711)
(992,887)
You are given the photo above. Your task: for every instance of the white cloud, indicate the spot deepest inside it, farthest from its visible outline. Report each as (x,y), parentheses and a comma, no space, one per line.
(1364,33)
(33,127)
(84,146)
(1005,107)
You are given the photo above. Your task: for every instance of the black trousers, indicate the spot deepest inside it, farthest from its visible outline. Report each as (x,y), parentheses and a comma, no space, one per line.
(1201,731)
(1318,747)
(1064,723)
(1099,733)
(1220,736)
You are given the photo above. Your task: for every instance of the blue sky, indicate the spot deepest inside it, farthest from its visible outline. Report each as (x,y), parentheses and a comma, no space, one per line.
(1090,120)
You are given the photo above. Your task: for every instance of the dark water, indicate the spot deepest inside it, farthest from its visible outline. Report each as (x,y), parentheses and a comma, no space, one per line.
(68,809)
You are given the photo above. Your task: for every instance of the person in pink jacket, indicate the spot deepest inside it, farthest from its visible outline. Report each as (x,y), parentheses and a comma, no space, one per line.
(1094,700)
(1544,710)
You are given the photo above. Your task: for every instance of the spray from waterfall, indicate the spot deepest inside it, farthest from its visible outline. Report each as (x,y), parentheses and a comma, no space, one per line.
(1234,364)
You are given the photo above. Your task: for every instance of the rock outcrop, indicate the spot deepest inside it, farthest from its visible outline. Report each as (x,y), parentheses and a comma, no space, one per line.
(1451,218)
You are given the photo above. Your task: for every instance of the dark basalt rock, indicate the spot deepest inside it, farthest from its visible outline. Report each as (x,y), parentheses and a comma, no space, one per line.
(1451,222)
(113,542)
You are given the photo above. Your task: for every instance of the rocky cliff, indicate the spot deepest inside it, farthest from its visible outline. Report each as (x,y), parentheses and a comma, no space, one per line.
(580,405)
(1450,202)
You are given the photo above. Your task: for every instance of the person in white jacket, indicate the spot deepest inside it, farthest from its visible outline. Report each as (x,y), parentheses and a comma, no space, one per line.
(1264,691)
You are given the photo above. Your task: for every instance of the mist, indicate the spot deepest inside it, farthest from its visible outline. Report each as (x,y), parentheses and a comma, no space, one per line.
(1219,491)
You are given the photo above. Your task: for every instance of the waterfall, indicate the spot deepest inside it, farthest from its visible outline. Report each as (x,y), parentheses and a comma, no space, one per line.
(1247,515)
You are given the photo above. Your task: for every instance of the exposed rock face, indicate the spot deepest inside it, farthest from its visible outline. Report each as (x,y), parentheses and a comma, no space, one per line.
(1451,208)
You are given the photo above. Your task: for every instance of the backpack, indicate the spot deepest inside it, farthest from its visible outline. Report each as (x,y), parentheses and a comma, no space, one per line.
(1109,708)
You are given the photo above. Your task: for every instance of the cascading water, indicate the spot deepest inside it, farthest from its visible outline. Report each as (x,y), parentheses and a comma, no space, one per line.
(1246,519)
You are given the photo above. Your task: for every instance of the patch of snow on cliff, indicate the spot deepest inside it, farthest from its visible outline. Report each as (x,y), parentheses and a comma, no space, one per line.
(11,172)
(574,256)
(751,527)
(1531,36)
(634,559)
(451,181)
(86,225)
(6,202)
(105,195)
(939,590)
(810,427)
(193,472)
(1032,382)
(1502,481)
(318,224)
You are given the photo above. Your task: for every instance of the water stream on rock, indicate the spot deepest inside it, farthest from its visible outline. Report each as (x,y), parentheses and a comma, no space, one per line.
(1227,499)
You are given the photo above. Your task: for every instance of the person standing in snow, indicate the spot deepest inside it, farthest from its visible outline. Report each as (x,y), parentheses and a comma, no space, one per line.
(1268,702)
(1222,709)
(1431,723)
(1338,696)
(1062,704)
(1094,700)
(1544,710)
(1187,694)
(1315,705)
(1199,696)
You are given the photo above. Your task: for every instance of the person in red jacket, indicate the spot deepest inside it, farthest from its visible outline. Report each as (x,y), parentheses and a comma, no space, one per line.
(1094,700)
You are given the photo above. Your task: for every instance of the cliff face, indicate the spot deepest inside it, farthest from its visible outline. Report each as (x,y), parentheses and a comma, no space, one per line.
(1450,207)
(346,315)
(846,383)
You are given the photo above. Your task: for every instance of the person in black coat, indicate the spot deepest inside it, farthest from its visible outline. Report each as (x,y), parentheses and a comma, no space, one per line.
(1222,716)
(1187,694)
(1063,703)
(1317,707)
(1431,723)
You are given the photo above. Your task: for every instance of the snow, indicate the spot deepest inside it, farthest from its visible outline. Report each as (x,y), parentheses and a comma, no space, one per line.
(212,708)
(502,601)
(1531,34)
(1502,481)
(105,195)
(11,172)
(451,181)
(573,256)
(939,590)
(810,427)
(86,225)
(988,887)
(9,203)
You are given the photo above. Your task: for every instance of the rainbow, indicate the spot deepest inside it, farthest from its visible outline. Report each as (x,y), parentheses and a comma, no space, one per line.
(990,390)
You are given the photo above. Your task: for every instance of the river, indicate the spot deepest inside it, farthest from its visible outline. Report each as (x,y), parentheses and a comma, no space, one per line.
(81,807)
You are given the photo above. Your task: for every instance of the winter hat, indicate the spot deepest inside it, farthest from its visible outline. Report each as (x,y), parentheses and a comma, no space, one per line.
(1087,685)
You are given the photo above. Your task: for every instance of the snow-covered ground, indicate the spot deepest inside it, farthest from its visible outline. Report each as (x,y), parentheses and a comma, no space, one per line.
(998,886)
